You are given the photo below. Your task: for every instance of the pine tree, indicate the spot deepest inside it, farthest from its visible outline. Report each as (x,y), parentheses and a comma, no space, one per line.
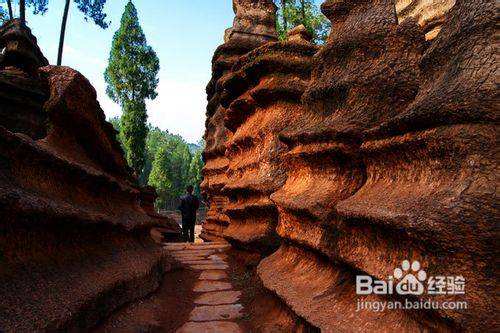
(131,78)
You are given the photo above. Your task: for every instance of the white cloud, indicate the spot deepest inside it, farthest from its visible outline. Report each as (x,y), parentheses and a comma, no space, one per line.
(179,107)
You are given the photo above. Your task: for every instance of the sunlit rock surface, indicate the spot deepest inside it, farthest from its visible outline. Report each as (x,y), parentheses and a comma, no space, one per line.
(253,25)
(388,155)
(74,237)
(262,95)
(430,14)
(405,170)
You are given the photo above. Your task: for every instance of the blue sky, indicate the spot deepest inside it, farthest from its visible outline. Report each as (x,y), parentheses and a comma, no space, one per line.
(184,35)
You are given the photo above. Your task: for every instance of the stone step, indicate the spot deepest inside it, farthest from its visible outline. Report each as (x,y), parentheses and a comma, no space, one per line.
(209,285)
(202,253)
(198,246)
(203,267)
(216,312)
(201,262)
(218,297)
(213,275)
(188,257)
(210,327)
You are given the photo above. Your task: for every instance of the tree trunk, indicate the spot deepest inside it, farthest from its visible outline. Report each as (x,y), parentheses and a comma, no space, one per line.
(63,32)
(303,10)
(9,5)
(22,12)
(285,24)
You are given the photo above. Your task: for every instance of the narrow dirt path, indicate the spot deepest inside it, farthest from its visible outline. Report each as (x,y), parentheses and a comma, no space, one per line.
(216,302)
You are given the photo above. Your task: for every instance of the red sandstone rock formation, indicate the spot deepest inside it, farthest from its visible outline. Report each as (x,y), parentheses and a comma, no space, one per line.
(365,74)
(392,160)
(430,14)
(437,191)
(253,25)
(75,241)
(21,94)
(263,95)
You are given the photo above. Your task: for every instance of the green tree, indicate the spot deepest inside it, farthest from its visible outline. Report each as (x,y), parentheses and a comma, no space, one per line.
(161,177)
(131,78)
(38,6)
(3,15)
(292,13)
(195,176)
(155,140)
(170,171)
(92,9)
(170,164)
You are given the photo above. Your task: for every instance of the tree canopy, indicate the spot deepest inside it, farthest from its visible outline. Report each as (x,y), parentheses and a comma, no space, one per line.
(133,65)
(38,7)
(93,9)
(170,164)
(131,78)
(292,13)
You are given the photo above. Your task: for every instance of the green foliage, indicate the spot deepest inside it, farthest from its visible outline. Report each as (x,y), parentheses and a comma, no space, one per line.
(133,65)
(155,140)
(133,133)
(170,164)
(306,12)
(131,77)
(171,171)
(115,121)
(195,176)
(4,15)
(93,9)
(38,7)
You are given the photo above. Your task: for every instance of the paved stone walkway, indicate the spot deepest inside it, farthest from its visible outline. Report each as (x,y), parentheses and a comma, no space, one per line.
(216,305)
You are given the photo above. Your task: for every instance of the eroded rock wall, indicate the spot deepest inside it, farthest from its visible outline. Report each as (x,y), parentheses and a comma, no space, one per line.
(262,95)
(74,238)
(390,155)
(408,174)
(365,74)
(253,26)
(439,186)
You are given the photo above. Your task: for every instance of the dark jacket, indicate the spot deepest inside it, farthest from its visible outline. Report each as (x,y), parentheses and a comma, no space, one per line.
(188,207)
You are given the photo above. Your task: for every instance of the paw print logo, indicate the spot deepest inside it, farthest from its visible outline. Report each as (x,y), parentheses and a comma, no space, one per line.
(411,277)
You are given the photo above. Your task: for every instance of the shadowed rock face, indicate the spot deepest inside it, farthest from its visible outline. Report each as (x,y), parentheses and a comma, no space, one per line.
(394,159)
(430,14)
(74,236)
(253,25)
(21,94)
(263,96)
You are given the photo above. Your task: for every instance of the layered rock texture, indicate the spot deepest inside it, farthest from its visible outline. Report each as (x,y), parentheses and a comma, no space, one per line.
(74,236)
(262,95)
(387,152)
(253,26)
(430,14)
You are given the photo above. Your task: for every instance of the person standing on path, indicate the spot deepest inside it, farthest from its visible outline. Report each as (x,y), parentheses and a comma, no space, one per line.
(188,207)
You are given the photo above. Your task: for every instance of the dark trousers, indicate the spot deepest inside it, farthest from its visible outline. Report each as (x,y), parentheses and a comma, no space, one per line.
(188,230)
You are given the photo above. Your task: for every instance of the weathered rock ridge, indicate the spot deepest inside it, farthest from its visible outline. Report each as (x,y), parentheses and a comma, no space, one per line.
(262,95)
(254,25)
(74,237)
(380,148)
